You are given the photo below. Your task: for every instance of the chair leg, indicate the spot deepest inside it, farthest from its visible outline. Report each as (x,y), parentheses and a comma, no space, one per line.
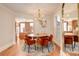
(48,48)
(42,48)
(24,46)
(35,47)
(74,44)
(65,47)
(72,47)
(28,48)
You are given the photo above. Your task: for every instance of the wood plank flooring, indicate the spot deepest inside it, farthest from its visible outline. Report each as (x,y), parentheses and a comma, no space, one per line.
(16,51)
(72,54)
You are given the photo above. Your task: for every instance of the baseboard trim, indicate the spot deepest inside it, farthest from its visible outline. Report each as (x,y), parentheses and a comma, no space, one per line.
(6,46)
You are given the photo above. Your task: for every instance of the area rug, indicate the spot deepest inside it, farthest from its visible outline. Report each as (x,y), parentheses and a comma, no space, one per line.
(69,48)
(37,52)
(33,52)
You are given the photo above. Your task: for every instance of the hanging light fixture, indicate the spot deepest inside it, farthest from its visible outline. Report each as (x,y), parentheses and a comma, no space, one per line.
(41,19)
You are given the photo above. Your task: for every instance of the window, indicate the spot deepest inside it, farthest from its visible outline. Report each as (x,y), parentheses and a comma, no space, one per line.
(26,27)
(65,26)
(22,27)
(31,25)
(68,26)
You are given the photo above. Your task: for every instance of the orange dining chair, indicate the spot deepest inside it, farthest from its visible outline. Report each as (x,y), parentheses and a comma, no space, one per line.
(30,41)
(76,39)
(43,42)
(68,39)
(51,38)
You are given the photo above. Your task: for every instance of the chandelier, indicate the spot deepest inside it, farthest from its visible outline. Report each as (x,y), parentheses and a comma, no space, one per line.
(41,19)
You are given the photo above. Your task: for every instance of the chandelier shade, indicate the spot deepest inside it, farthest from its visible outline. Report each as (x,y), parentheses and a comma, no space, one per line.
(40,17)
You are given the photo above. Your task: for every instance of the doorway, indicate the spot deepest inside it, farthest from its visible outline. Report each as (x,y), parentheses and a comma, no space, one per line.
(23,28)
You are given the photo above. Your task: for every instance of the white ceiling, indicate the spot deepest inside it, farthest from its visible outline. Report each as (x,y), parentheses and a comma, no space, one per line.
(32,8)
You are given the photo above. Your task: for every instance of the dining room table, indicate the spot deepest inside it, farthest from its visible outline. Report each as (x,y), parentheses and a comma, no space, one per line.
(36,38)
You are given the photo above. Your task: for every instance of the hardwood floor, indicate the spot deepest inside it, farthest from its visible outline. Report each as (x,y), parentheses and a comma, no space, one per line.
(16,51)
(72,54)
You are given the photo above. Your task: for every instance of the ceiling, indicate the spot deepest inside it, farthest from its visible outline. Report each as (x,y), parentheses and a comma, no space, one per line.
(32,8)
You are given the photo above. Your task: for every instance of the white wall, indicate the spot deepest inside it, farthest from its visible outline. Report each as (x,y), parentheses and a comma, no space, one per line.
(7,28)
(38,28)
(51,24)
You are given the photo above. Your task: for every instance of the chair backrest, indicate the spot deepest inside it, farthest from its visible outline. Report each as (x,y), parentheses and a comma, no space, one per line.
(68,39)
(76,38)
(29,40)
(50,37)
(44,40)
(22,36)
